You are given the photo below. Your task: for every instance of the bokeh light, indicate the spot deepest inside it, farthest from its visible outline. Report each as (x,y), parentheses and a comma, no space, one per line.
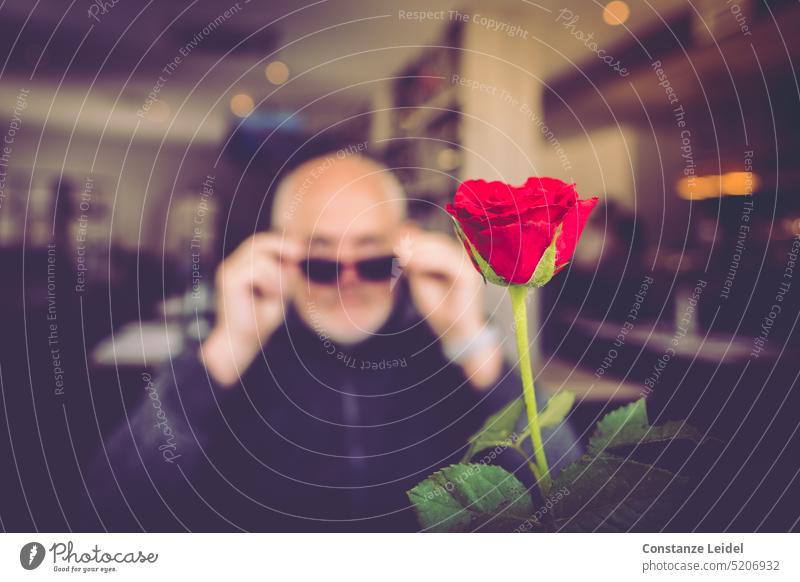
(616,13)
(242,105)
(277,72)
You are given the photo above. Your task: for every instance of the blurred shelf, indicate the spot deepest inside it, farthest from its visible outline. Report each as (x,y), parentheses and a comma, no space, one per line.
(711,347)
(702,73)
(428,113)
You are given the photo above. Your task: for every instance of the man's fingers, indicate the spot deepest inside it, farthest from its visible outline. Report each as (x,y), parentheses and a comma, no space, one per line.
(274,245)
(260,275)
(270,278)
(262,255)
(436,260)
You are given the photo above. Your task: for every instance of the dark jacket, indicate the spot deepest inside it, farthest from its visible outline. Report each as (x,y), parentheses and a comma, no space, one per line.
(318,437)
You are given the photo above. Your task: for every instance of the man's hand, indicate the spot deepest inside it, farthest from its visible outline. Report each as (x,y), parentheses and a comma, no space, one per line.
(252,287)
(448,293)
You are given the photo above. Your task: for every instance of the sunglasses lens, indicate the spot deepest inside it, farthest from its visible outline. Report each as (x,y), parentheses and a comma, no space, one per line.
(320,270)
(377,269)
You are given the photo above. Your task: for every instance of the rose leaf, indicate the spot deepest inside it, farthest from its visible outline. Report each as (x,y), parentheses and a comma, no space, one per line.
(556,409)
(498,429)
(628,426)
(612,494)
(472,497)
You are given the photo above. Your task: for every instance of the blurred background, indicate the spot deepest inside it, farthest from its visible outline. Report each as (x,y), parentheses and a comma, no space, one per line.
(142,143)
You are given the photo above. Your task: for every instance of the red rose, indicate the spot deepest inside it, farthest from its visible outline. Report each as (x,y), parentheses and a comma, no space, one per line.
(509,230)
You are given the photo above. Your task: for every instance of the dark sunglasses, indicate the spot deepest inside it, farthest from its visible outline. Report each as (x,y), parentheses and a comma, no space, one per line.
(327,270)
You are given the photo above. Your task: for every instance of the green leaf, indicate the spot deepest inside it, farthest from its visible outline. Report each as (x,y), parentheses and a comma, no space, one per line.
(556,409)
(485,268)
(609,493)
(628,426)
(620,425)
(471,497)
(554,412)
(498,429)
(547,264)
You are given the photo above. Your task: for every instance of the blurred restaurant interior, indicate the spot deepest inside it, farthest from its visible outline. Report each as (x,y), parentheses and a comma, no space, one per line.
(144,140)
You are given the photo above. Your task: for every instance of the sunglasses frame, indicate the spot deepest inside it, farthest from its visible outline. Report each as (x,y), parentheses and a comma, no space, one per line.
(339,266)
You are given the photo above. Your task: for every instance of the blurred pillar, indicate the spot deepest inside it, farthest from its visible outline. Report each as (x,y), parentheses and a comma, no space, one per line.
(501,99)
(381,118)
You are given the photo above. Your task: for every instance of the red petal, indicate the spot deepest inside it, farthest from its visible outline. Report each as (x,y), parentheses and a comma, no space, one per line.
(552,191)
(571,229)
(481,194)
(513,250)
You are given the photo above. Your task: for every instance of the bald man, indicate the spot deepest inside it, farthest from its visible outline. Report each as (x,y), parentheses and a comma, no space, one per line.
(350,358)
(335,216)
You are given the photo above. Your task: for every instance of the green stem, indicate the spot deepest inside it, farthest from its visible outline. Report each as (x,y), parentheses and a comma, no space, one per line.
(518,294)
(525,434)
(531,465)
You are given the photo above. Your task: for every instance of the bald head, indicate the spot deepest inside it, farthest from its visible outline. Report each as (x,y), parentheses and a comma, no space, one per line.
(347,209)
(332,181)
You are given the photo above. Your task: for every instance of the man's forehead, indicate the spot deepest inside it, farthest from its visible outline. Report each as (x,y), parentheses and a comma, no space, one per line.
(347,190)
(356,240)
(353,202)
(357,217)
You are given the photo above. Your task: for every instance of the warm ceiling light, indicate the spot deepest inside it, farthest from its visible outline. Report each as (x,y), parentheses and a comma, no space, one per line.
(714,186)
(277,72)
(616,13)
(699,187)
(242,104)
(739,183)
